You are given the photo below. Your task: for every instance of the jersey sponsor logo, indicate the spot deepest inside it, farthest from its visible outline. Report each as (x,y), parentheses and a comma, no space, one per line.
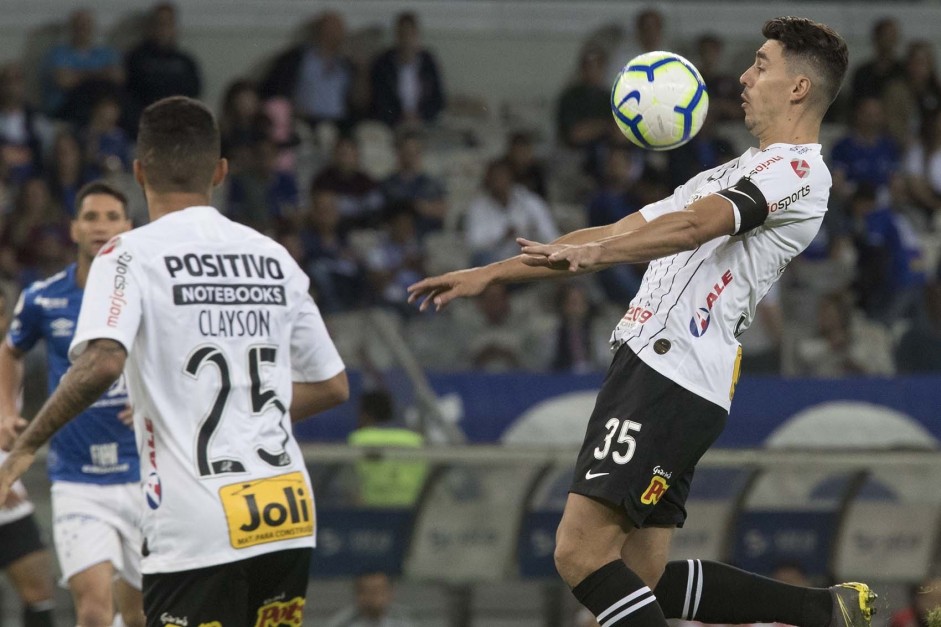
(801,150)
(801,168)
(213,623)
(238,265)
(787,201)
(654,492)
(169,619)
(699,322)
(119,289)
(591,475)
(48,302)
(637,314)
(153,490)
(109,246)
(62,327)
(764,165)
(660,472)
(267,510)
(212,294)
(280,613)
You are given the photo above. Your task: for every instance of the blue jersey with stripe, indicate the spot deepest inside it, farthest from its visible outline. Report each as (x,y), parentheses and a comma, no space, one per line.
(95,447)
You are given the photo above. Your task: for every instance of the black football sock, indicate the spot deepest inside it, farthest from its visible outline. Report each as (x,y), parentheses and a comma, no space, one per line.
(710,592)
(617,597)
(38,615)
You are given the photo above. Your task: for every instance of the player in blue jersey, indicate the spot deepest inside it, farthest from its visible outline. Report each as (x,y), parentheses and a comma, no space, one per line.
(93,462)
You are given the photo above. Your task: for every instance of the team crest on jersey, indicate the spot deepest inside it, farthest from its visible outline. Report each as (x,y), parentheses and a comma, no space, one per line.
(699,323)
(153,490)
(801,168)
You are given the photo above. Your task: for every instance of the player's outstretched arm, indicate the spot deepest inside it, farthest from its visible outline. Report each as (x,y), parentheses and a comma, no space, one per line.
(93,372)
(11,381)
(671,233)
(441,290)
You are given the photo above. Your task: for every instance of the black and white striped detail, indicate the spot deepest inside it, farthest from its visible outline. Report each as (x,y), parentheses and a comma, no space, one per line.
(693,590)
(625,607)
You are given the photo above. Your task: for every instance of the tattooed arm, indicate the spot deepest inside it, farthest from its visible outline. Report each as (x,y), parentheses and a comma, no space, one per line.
(89,377)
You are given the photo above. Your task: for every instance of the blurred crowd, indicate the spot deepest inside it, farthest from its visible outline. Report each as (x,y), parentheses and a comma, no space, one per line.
(348,149)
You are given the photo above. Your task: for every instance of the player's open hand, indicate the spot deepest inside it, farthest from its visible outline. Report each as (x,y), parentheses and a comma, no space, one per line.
(16,463)
(441,290)
(571,257)
(126,416)
(10,427)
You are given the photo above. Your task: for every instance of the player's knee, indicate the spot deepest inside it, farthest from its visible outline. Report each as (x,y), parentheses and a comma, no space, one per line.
(574,561)
(36,590)
(92,611)
(133,619)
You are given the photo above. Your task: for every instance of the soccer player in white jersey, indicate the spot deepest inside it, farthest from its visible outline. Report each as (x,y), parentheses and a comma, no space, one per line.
(92,462)
(222,347)
(715,247)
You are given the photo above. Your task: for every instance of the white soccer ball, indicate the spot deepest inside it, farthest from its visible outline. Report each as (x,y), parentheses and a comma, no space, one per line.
(659,100)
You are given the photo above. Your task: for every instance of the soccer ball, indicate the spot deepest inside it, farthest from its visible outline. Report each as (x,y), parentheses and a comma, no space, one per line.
(659,100)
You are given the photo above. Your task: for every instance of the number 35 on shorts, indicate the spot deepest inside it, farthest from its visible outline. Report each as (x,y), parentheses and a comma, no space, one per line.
(622,428)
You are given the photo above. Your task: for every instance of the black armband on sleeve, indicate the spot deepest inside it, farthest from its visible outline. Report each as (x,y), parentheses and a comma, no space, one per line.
(750,202)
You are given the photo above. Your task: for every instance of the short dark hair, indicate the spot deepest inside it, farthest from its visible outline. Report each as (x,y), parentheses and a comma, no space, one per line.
(406,17)
(378,405)
(178,145)
(815,46)
(100,187)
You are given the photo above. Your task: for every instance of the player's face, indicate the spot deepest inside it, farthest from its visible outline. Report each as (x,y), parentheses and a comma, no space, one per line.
(100,218)
(767,86)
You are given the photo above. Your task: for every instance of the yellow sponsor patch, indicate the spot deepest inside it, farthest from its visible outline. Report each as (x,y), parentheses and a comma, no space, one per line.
(214,623)
(268,510)
(658,485)
(281,613)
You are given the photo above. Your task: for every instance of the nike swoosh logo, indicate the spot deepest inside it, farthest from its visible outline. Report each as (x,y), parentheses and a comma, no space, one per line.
(592,475)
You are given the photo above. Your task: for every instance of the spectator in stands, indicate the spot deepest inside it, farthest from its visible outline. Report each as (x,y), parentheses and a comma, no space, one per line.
(357,194)
(240,123)
(25,134)
(335,273)
(845,343)
(616,199)
(578,348)
(157,68)
(915,95)
(67,170)
(37,232)
(528,171)
(919,349)
(108,149)
(725,92)
(867,154)
(503,212)
(411,184)
(374,605)
(583,114)
(397,260)
(923,166)
(872,75)
(890,267)
(77,73)
(315,75)
(647,37)
(925,597)
(386,483)
(262,196)
(406,83)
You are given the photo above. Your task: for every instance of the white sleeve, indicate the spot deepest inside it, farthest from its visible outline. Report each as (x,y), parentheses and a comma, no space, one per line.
(681,197)
(313,355)
(112,303)
(795,186)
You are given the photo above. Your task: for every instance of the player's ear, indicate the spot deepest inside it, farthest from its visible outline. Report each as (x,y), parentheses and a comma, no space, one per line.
(801,88)
(222,169)
(73,225)
(139,172)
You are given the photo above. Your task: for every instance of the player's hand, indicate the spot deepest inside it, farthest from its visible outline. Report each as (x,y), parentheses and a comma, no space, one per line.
(441,290)
(13,499)
(126,416)
(16,463)
(571,257)
(10,427)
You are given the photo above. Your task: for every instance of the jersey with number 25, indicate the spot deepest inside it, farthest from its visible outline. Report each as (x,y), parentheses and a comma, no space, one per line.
(217,322)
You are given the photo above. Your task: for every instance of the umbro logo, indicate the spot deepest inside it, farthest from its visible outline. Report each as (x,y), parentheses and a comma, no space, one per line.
(591,475)
(62,327)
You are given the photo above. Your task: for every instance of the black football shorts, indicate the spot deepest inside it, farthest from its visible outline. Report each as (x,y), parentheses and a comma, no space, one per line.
(267,590)
(644,438)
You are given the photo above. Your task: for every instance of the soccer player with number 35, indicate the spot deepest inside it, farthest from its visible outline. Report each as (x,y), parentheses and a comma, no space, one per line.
(715,247)
(222,347)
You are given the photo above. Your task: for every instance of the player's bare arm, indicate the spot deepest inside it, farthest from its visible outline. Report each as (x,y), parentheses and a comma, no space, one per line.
(90,376)
(11,381)
(671,233)
(442,289)
(310,398)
